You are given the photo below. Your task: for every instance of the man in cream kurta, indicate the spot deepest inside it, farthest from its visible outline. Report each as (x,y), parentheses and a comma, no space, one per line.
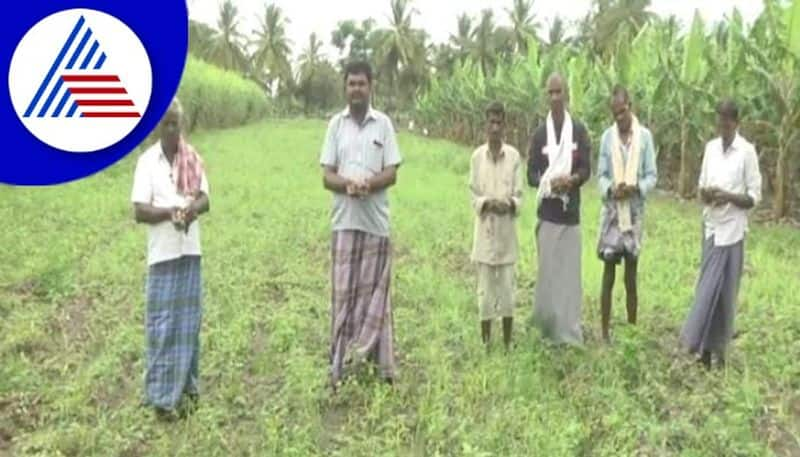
(496,186)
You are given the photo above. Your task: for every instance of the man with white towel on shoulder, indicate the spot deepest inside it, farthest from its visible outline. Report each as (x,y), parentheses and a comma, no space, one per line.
(559,164)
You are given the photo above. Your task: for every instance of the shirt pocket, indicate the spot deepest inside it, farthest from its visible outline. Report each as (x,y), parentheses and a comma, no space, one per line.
(373,155)
(360,158)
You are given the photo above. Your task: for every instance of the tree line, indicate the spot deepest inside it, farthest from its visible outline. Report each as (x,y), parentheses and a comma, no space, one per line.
(676,74)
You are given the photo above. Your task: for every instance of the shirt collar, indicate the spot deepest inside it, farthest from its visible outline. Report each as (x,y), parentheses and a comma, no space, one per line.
(502,151)
(370,116)
(161,154)
(736,144)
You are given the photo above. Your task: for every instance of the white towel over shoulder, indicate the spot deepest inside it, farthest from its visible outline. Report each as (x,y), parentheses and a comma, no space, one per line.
(559,155)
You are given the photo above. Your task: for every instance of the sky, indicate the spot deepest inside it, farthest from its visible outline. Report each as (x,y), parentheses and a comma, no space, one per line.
(438,17)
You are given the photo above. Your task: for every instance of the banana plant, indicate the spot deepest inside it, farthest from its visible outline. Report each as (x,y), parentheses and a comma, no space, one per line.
(675,82)
(693,72)
(778,72)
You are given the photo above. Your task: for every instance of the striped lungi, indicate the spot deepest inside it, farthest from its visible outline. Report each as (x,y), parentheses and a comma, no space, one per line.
(174,312)
(361,308)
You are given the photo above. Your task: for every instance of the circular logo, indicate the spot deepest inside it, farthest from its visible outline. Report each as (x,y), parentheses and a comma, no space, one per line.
(41,150)
(80,80)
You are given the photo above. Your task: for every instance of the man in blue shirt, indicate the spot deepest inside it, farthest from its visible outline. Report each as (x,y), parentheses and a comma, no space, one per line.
(626,172)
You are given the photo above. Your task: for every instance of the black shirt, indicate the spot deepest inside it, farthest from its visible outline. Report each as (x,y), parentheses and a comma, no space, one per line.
(551,209)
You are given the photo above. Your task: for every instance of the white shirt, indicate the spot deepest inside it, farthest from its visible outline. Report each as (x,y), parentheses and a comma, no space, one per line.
(153,184)
(734,170)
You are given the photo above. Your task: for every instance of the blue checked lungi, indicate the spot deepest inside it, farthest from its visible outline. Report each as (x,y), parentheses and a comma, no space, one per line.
(174,312)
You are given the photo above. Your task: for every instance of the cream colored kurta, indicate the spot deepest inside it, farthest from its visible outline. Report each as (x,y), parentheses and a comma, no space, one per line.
(495,239)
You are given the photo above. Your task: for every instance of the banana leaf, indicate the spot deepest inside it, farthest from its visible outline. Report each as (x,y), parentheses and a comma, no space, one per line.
(693,51)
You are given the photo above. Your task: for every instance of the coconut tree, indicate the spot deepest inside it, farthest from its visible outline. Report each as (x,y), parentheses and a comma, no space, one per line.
(271,48)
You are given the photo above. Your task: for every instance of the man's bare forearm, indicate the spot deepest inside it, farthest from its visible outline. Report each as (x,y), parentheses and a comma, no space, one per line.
(149,214)
(201,204)
(383,180)
(706,195)
(742,201)
(333,182)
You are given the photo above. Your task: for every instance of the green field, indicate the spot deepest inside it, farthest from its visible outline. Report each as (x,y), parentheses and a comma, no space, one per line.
(72,271)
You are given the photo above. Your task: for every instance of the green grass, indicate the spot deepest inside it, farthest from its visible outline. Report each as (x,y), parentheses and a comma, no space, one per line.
(72,272)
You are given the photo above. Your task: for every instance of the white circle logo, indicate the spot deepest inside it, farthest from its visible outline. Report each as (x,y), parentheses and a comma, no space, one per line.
(80,80)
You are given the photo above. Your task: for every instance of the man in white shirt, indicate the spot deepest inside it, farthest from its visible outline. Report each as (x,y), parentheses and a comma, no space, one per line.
(496,187)
(730,185)
(170,191)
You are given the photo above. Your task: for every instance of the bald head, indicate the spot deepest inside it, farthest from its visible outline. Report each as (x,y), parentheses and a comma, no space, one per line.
(171,126)
(558,77)
(175,107)
(558,93)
